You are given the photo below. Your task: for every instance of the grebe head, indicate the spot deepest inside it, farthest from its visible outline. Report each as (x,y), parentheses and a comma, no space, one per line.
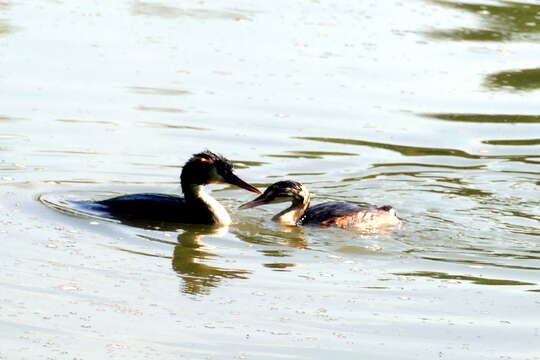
(209,168)
(282,191)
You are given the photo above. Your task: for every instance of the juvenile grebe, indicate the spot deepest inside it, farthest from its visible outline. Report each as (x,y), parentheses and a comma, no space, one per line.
(343,215)
(197,207)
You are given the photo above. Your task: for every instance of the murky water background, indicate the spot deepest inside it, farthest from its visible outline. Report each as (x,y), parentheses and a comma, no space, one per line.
(430,106)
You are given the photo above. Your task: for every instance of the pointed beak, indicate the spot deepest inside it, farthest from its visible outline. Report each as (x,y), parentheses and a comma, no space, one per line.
(258,201)
(235,180)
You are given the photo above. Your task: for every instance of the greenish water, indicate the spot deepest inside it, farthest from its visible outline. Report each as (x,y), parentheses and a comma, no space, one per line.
(428,106)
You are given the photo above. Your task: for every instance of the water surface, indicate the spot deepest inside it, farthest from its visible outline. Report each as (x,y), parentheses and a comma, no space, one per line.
(429,106)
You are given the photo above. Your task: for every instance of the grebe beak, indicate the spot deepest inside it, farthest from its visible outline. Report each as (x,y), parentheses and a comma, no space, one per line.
(235,180)
(261,200)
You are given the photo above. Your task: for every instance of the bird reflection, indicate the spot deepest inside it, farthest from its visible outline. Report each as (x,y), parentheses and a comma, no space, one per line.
(192,257)
(284,236)
(191,261)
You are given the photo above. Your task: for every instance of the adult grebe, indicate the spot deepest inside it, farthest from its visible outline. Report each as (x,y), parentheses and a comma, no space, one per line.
(197,207)
(343,215)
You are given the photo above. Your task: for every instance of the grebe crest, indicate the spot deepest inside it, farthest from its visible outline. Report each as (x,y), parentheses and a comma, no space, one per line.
(206,168)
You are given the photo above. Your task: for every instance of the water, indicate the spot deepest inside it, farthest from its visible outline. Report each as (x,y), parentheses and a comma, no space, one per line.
(429,106)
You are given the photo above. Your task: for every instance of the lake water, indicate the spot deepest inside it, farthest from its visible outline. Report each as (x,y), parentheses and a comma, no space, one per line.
(431,106)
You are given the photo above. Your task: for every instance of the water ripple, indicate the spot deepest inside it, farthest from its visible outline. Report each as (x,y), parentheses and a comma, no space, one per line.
(474,279)
(172,12)
(157,91)
(485,118)
(502,20)
(514,80)
(406,150)
(513,142)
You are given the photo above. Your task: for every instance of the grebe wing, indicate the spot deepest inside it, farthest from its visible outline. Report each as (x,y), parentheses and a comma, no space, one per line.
(137,206)
(144,198)
(340,214)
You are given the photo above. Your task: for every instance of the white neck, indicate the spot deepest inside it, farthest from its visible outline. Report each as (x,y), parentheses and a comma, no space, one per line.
(292,214)
(196,192)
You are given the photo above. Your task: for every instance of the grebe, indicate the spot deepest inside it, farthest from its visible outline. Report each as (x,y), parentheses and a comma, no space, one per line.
(197,207)
(343,215)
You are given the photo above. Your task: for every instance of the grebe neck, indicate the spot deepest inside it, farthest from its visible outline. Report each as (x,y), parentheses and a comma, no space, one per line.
(200,200)
(292,215)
